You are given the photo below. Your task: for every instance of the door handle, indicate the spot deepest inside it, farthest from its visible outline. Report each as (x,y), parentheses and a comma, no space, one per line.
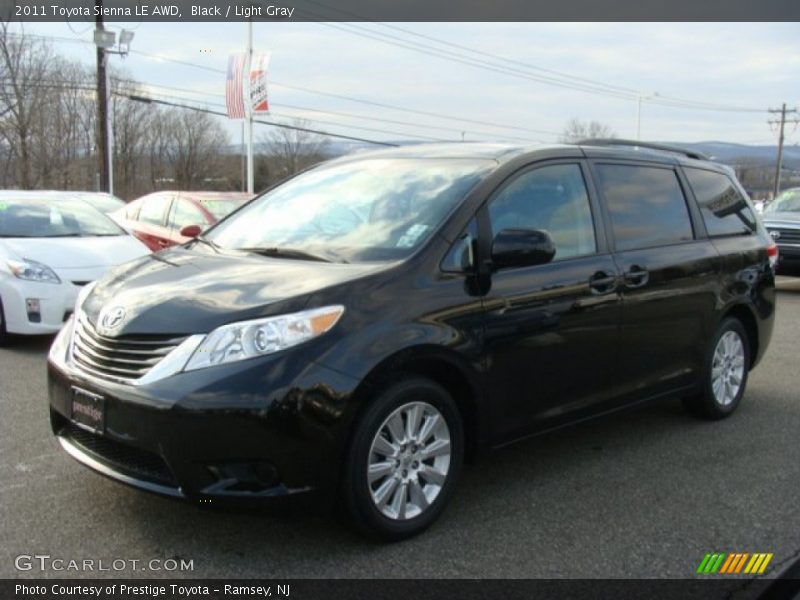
(636,277)
(602,283)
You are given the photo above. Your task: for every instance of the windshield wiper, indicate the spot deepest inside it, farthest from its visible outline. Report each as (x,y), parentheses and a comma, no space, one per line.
(213,245)
(288,253)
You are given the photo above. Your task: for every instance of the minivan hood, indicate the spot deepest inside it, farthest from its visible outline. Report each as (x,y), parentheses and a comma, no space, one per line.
(184,292)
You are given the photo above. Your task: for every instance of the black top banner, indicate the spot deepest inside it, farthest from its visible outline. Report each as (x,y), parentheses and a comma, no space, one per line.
(399,10)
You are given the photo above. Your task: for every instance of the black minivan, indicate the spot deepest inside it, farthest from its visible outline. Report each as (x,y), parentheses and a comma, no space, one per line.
(359,331)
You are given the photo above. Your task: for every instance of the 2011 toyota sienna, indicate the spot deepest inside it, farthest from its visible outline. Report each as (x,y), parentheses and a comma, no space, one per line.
(357,332)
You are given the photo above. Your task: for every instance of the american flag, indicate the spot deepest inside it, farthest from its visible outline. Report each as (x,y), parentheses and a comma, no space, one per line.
(234,94)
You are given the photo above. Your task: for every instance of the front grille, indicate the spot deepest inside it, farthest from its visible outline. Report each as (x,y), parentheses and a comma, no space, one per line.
(127,357)
(788,236)
(137,463)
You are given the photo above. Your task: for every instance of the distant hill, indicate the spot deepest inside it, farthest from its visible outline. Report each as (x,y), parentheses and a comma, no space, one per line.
(732,153)
(724,152)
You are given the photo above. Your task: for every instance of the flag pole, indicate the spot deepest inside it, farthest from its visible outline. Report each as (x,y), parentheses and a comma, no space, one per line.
(249,108)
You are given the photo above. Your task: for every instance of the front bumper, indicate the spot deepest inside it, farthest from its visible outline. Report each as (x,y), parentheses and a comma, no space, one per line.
(262,429)
(56,301)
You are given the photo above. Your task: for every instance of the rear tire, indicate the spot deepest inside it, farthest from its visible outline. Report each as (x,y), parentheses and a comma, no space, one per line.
(725,373)
(404,460)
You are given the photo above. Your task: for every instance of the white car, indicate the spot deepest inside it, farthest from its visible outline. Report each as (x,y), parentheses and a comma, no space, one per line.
(51,245)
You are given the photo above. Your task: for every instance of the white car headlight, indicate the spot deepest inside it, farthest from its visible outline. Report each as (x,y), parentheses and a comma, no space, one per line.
(249,339)
(31,270)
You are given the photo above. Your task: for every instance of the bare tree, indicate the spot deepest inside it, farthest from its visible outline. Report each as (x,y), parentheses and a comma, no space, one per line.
(192,146)
(293,150)
(135,138)
(64,130)
(577,130)
(24,66)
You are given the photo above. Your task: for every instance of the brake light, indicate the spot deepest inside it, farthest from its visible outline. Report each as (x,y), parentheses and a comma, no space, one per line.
(772,253)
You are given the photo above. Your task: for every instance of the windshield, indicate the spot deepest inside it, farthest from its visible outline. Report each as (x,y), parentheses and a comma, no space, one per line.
(53,217)
(104,203)
(220,208)
(788,201)
(366,210)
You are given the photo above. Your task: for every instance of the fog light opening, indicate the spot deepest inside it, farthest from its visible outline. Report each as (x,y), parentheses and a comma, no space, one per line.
(33,309)
(245,477)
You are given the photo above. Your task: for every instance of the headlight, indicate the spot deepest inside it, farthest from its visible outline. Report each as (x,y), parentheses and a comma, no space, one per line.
(249,339)
(32,271)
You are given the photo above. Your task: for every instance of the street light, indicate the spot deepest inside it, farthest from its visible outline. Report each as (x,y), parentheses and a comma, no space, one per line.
(104,39)
(639,112)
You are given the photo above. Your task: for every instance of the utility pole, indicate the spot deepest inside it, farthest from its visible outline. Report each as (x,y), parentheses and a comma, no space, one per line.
(103,145)
(639,99)
(781,123)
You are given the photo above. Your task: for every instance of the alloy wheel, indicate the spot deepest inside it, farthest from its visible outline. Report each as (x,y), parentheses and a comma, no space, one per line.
(727,368)
(409,461)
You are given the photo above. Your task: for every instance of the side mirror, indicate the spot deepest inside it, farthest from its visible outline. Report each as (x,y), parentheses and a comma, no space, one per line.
(191,231)
(522,248)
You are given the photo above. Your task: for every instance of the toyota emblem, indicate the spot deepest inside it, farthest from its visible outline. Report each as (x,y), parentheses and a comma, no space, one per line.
(775,235)
(113,317)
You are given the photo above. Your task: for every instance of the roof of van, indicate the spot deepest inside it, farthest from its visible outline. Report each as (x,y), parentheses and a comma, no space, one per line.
(505,152)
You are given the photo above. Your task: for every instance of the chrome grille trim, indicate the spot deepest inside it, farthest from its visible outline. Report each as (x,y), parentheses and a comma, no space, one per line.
(787,235)
(124,359)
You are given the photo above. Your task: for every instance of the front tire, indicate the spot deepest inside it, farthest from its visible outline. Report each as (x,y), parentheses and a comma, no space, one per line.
(404,460)
(3,331)
(725,373)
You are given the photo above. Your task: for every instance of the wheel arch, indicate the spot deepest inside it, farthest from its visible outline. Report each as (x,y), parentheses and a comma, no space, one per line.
(745,316)
(444,368)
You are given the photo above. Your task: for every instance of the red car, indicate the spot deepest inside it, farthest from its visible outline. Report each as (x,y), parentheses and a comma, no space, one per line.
(164,219)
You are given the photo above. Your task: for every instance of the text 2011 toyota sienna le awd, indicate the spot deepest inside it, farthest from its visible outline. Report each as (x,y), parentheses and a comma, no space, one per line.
(358,331)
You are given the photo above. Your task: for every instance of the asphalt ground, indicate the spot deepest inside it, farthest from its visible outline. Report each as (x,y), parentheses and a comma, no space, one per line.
(644,493)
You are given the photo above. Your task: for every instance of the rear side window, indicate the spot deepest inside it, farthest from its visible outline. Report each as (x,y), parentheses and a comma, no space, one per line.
(646,206)
(724,209)
(185,213)
(153,210)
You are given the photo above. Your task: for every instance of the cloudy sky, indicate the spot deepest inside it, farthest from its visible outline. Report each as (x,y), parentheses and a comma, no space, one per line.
(486,81)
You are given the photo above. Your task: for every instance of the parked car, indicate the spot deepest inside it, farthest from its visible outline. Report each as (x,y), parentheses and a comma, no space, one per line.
(359,330)
(164,219)
(51,245)
(782,220)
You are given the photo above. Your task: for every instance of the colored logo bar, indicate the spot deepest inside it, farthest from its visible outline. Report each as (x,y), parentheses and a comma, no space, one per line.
(734,563)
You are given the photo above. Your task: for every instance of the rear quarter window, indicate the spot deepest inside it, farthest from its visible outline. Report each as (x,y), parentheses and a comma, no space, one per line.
(646,205)
(724,209)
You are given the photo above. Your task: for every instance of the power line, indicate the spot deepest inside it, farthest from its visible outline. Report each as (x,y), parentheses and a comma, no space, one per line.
(151,100)
(139,97)
(160,58)
(342,114)
(560,79)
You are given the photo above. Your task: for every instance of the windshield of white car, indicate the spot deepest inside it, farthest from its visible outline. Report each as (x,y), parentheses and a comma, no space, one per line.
(53,217)
(788,201)
(103,202)
(375,209)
